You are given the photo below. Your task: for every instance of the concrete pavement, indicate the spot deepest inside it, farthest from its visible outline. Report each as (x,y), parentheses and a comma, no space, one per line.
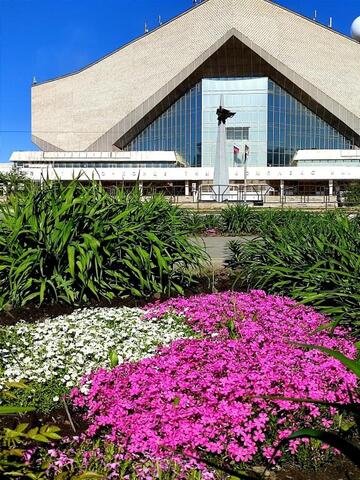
(217,247)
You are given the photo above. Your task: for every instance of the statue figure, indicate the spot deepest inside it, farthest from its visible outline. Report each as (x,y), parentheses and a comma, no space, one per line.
(223,114)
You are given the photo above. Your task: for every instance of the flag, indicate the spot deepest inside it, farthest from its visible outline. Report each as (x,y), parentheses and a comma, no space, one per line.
(236,151)
(247,151)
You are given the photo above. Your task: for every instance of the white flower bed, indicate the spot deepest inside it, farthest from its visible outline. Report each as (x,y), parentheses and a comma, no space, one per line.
(68,346)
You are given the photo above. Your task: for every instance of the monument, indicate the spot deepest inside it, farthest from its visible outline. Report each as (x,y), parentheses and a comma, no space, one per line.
(221,167)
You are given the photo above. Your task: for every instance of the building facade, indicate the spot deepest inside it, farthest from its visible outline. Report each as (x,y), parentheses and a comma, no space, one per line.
(270,121)
(165,76)
(293,83)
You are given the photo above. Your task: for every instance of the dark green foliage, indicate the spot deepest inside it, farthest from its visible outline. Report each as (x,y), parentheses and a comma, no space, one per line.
(238,219)
(201,222)
(14,182)
(315,260)
(235,248)
(73,243)
(270,217)
(241,219)
(352,195)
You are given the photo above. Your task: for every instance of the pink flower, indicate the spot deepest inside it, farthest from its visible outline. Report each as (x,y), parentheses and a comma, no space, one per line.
(207,394)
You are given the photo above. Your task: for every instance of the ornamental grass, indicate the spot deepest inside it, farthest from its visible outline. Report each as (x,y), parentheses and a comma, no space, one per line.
(315,260)
(75,243)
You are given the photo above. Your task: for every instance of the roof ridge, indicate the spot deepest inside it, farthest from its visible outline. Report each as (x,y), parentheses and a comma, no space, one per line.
(185,12)
(113,52)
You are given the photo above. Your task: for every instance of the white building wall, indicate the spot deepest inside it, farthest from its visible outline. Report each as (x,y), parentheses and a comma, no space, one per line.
(202,174)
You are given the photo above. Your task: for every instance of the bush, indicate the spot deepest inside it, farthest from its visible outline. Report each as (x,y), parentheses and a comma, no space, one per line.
(352,195)
(52,355)
(238,219)
(204,397)
(73,243)
(200,223)
(270,218)
(315,260)
(14,182)
(241,219)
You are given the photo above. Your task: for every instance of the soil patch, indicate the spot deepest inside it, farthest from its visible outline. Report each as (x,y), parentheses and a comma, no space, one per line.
(340,469)
(33,313)
(57,417)
(210,281)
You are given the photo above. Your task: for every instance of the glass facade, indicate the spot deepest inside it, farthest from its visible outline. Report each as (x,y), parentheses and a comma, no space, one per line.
(247,97)
(268,120)
(178,129)
(292,127)
(237,133)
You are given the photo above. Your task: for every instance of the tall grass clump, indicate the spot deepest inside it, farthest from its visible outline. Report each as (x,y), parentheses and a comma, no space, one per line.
(74,243)
(270,217)
(238,219)
(201,222)
(242,219)
(315,260)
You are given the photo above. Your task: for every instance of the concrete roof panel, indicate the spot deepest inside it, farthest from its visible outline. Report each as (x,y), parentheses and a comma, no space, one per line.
(74,111)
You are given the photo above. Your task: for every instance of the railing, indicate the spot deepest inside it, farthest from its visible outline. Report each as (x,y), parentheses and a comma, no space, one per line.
(255,195)
(234,193)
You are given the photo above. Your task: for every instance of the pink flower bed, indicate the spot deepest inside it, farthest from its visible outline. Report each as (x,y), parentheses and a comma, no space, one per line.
(202,395)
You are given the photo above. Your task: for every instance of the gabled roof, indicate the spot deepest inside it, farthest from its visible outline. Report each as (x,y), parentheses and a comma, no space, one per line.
(99,105)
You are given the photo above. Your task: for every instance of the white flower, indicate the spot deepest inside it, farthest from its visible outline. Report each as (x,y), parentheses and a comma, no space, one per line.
(66,347)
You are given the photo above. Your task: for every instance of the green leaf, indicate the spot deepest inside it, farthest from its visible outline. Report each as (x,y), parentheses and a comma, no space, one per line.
(12,410)
(346,448)
(352,365)
(89,475)
(113,358)
(53,436)
(22,427)
(42,290)
(40,438)
(71,260)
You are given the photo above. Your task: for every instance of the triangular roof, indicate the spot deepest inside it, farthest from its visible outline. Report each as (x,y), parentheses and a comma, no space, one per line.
(99,105)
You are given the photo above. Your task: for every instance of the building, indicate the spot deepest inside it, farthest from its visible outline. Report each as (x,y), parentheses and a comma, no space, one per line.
(293,83)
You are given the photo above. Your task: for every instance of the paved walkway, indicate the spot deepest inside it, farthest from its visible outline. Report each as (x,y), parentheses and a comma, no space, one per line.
(216,247)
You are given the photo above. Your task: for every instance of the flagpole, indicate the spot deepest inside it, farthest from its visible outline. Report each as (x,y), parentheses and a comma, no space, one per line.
(245,180)
(245,172)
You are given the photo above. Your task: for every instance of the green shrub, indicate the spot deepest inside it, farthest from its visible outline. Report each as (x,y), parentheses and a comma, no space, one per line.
(352,195)
(315,260)
(200,222)
(73,243)
(13,182)
(268,218)
(238,219)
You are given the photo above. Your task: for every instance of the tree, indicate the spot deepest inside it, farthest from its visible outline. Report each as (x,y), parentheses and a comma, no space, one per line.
(14,182)
(352,195)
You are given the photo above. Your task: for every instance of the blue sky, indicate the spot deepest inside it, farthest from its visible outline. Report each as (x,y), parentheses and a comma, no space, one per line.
(48,38)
